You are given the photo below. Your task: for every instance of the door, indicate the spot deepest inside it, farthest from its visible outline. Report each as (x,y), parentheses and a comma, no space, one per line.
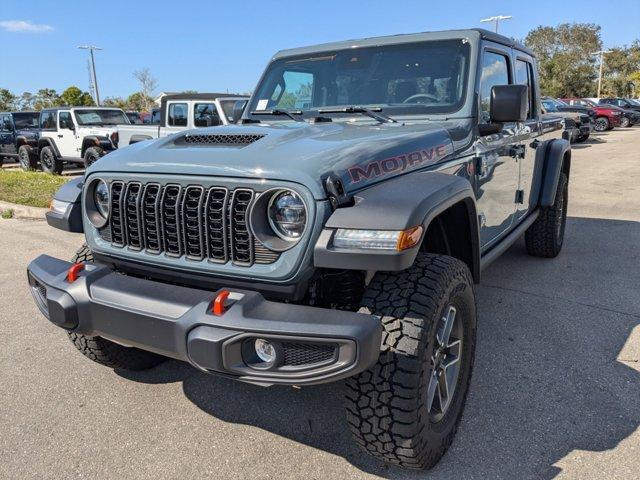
(532,131)
(66,139)
(497,169)
(7,135)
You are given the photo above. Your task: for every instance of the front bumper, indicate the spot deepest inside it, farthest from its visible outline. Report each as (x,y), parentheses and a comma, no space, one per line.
(314,345)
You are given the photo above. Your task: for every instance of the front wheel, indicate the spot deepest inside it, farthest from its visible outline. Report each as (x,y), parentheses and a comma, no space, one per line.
(50,162)
(406,408)
(602,124)
(625,122)
(28,160)
(92,155)
(105,352)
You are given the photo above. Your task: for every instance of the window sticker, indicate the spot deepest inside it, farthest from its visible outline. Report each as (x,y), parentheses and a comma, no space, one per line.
(262,104)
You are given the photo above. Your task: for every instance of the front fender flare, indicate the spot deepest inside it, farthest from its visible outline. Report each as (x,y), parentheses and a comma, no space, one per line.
(96,141)
(397,204)
(555,154)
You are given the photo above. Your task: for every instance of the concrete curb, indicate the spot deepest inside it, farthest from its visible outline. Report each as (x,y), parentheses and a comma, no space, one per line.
(22,211)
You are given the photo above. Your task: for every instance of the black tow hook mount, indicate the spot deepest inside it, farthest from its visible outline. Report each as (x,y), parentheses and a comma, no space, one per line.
(336,192)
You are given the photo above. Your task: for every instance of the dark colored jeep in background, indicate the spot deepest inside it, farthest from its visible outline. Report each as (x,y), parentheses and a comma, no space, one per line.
(19,133)
(336,233)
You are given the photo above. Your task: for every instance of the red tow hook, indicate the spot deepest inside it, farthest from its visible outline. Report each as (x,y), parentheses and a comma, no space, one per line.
(74,271)
(218,304)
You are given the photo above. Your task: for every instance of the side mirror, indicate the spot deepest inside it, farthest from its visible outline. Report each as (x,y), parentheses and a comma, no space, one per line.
(238,109)
(509,103)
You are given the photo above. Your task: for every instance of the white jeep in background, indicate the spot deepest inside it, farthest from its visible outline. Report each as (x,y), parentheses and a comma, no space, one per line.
(184,111)
(77,135)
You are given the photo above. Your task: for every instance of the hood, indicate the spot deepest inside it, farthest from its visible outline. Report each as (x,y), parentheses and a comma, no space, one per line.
(359,154)
(100,131)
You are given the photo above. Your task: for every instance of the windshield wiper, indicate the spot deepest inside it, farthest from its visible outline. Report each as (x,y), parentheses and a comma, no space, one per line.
(370,112)
(288,113)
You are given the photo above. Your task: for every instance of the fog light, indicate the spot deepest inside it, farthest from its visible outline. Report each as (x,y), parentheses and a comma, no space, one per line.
(265,351)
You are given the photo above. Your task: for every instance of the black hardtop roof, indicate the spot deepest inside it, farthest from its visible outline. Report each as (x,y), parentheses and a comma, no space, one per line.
(19,111)
(408,37)
(64,107)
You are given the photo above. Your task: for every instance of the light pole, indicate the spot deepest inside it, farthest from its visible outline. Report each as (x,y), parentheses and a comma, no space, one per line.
(496,19)
(601,53)
(91,48)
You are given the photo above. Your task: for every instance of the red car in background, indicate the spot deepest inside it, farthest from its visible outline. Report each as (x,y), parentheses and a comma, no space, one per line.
(607,116)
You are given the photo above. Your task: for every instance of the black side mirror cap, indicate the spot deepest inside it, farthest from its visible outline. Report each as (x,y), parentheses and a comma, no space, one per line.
(509,103)
(238,110)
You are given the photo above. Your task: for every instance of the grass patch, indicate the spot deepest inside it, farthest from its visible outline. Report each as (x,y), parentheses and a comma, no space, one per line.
(7,213)
(34,189)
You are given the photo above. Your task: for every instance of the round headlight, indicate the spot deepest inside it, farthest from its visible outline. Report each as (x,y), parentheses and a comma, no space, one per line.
(287,215)
(101,198)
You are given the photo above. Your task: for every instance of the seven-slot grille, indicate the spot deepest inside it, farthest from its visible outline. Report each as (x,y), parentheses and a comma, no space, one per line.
(194,221)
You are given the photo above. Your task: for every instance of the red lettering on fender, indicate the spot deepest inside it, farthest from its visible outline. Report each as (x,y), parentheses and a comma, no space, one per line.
(399,163)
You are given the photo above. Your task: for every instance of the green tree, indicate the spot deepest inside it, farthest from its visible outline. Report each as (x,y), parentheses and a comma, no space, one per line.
(46,98)
(139,102)
(74,97)
(619,67)
(117,102)
(8,101)
(566,64)
(26,101)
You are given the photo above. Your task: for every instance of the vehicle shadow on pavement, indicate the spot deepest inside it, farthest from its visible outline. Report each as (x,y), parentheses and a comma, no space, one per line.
(547,380)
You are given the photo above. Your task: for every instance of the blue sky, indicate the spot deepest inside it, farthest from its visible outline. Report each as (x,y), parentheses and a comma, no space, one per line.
(223,45)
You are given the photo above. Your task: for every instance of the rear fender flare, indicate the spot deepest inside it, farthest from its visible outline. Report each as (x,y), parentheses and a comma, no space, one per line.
(49,142)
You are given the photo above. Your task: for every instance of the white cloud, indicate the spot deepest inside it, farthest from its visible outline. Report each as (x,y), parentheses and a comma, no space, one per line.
(24,26)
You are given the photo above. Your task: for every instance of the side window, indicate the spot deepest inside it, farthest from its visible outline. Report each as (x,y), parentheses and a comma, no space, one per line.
(205,115)
(4,123)
(64,120)
(495,71)
(177,115)
(48,120)
(524,76)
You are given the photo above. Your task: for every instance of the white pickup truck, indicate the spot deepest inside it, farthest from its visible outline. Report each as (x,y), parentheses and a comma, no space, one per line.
(181,112)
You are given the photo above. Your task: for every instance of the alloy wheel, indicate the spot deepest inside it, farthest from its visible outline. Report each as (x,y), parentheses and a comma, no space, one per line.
(601,124)
(445,363)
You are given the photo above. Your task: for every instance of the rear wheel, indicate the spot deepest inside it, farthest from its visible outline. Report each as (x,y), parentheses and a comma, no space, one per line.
(544,238)
(602,124)
(92,155)
(28,160)
(406,408)
(49,162)
(106,352)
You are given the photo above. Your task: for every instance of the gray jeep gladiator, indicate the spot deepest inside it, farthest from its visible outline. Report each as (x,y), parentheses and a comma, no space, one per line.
(335,233)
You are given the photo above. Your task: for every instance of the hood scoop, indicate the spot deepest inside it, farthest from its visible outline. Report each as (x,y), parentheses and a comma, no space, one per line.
(224,140)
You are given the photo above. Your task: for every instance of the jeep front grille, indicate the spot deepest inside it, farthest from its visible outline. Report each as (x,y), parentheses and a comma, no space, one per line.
(195,222)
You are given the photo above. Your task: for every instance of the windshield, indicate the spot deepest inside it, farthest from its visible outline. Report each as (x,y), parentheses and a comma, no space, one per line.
(417,78)
(101,117)
(549,105)
(633,102)
(26,120)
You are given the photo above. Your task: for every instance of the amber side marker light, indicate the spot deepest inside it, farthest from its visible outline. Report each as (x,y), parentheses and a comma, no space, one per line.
(218,304)
(74,272)
(409,238)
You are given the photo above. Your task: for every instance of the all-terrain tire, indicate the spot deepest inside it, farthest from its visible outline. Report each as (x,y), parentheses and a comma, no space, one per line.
(386,405)
(544,238)
(28,160)
(92,155)
(108,353)
(582,138)
(49,162)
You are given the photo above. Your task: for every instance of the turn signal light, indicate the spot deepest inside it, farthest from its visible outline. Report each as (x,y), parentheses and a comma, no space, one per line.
(74,271)
(409,238)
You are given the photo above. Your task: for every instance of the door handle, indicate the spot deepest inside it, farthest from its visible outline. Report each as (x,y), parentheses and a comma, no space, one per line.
(60,136)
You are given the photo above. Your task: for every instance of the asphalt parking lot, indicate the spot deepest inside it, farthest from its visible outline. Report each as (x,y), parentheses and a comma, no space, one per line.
(555,389)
